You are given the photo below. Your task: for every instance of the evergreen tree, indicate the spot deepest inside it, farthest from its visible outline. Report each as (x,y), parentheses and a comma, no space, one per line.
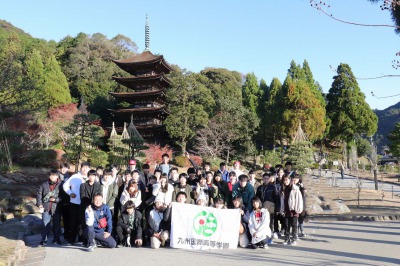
(301,155)
(251,93)
(350,115)
(84,135)
(394,138)
(301,105)
(55,84)
(186,98)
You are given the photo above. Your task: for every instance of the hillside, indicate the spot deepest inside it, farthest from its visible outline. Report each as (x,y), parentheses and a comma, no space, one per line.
(387,119)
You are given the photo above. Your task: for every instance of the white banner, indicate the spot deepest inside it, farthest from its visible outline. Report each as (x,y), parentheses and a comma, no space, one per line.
(196,227)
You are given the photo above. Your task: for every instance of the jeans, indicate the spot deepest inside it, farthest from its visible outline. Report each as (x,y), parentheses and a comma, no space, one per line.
(46,218)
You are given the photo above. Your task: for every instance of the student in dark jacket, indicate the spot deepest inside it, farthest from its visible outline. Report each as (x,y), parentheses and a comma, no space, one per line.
(269,196)
(89,189)
(129,227)
(223,189)
(47,199)
(64,203)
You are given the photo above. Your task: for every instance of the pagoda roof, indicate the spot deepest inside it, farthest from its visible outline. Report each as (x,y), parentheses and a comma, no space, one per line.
(146,58)
(129,81)
(139,110)
(136,93)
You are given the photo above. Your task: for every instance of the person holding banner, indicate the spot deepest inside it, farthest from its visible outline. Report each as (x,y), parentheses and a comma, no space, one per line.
(159,224)
(259,225)
(244,222)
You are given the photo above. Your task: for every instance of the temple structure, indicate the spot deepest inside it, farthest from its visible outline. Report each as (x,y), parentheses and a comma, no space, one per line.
(143,100)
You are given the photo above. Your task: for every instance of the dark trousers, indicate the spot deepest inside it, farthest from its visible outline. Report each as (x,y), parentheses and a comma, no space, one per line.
(291,227)
(47,217)
(123,233)
(271,221)
(64,210)
(301,222)
(278,218)
(74,221)
(91,235)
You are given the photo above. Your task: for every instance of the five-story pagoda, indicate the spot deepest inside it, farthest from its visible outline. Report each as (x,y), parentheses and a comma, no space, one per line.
(143,101)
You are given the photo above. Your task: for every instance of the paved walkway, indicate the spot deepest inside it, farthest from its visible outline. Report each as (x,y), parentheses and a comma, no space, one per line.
(328,243)
(351,181)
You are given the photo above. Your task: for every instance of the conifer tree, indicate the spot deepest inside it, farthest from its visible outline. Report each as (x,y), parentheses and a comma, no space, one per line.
(251,93)
(350,115)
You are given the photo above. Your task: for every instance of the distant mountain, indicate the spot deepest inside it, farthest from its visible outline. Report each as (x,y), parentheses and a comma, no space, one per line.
(387,120)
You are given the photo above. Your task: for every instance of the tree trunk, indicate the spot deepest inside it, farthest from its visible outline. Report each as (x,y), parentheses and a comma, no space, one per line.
(376,178)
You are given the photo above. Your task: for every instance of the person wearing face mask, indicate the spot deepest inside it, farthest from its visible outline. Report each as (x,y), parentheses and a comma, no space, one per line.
(245,190)
(47,199)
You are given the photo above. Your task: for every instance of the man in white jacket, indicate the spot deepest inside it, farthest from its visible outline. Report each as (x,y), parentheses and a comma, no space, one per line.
(72,188)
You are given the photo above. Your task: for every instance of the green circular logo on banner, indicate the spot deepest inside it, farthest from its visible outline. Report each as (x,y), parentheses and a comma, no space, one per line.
(205,223)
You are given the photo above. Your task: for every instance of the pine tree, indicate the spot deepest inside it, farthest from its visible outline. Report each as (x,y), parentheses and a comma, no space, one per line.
(251,93)
(350,115)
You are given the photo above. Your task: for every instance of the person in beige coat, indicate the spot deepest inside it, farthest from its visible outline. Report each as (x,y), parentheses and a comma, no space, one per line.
(291,207)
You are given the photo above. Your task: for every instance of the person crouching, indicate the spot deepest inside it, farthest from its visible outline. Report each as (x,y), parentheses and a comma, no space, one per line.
(99,224)
(129,227)
(259,225)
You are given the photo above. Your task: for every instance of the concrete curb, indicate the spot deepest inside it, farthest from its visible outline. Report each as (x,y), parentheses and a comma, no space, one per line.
(363,218)
(18,255)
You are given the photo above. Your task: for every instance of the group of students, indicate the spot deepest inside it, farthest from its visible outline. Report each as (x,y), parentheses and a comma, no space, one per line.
(105,207)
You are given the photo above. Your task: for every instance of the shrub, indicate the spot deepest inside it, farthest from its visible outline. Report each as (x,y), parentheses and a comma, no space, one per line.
(42,158)
(181,161)
(154,153)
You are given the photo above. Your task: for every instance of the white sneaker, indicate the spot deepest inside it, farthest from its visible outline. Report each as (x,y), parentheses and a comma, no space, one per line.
(275,236)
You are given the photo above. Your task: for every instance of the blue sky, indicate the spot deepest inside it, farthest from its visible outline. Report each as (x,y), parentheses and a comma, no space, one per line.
(260,36)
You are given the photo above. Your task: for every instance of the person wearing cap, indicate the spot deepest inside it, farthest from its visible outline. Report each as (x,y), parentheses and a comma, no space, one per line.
(245,191)
(236,168)
(182,186)
(159,224)
(202,200)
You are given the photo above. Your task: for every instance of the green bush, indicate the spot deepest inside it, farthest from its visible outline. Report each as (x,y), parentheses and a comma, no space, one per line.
(97,158)
(181,161)
(40,158)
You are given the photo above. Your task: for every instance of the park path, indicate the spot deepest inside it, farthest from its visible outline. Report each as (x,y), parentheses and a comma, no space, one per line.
(350,181)
(328,243)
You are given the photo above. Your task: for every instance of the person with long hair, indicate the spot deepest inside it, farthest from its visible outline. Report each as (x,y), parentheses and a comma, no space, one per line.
(291,207)
(132,193)
(237,203)
(163,190)
(259,225)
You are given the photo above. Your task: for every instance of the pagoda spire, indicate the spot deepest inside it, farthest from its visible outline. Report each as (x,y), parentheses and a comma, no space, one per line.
(147,34)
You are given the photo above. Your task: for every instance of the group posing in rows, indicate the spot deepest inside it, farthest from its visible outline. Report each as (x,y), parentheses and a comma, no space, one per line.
(133,208)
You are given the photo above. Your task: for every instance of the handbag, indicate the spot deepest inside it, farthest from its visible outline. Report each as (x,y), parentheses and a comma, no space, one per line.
(270,206)
(102,222)
(150,201)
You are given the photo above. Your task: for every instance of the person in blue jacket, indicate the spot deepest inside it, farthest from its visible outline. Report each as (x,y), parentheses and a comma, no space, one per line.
(99,224)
